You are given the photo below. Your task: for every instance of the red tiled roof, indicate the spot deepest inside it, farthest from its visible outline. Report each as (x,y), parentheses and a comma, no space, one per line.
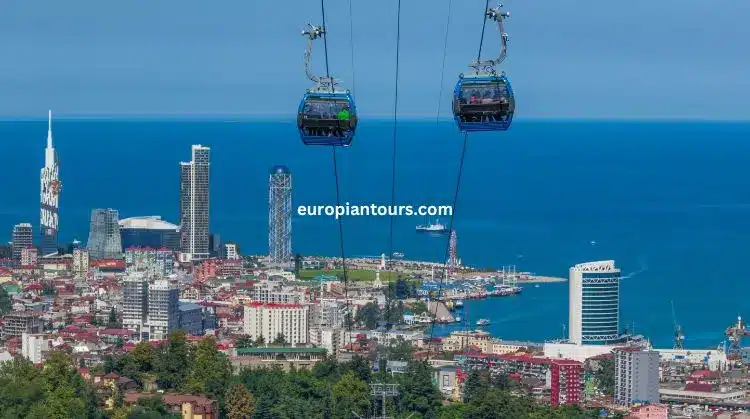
(702,387)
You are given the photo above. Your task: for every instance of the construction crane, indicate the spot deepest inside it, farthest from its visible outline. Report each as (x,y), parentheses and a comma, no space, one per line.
(735,333)
(679,337)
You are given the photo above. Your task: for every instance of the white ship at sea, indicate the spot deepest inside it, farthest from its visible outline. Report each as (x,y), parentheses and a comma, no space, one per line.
(435,227)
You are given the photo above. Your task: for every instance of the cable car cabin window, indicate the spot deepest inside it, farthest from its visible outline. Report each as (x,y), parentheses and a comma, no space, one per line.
(324,118)
(485,102)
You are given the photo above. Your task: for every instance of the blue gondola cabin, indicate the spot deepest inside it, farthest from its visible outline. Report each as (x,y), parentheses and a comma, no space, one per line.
(483,103)
(327,118)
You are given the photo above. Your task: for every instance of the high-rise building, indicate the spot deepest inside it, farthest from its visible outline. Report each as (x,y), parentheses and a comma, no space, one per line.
(636,375)
(163,309)
(50,195)
(280,215)
(155,262)
(230,251)
(149,231)
(272,320)
(135,303)
(23,236)
(80,261)
(594,312)
(29,256)
(194,205)
(104,235)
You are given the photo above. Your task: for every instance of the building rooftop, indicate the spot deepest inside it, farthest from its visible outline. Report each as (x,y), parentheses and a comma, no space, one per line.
(189,306)
(151,222)
(281,349)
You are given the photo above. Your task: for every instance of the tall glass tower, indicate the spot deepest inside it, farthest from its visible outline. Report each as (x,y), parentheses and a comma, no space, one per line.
(104,235)
(49,194)
(280,215)
(194,204)
(594,313)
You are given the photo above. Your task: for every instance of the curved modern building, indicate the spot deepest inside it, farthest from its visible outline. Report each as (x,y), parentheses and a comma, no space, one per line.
(594,313)
(149,231)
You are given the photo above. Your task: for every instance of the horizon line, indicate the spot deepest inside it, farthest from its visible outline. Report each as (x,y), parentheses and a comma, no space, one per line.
(240,117)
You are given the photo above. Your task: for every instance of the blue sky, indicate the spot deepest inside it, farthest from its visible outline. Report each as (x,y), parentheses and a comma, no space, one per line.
(567,59)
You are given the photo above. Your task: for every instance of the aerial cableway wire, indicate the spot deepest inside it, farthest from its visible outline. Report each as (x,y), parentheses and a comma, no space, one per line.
(336,177)
(351,46)
(395,126)
(455,196)
(484,25)
(442,66)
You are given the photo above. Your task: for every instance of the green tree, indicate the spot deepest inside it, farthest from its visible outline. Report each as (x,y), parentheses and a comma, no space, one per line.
(20,387)
(144,356)
(605,376)
(418,307)
(419,394)
(211,369)
(244,341)
(112,322)
(172,361)
(280,340)
(369,315)
(239,402)
(475,387)
(259,341)
(6,306)
(350,395)
(360,367)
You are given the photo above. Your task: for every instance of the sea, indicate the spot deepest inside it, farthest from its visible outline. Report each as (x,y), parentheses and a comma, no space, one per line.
(669,202)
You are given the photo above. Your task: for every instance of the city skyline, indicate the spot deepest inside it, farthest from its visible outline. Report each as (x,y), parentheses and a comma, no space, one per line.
(565,61)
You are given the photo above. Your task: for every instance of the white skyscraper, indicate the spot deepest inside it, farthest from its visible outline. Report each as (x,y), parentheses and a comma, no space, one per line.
(50,194)
(594,312)
(194,205)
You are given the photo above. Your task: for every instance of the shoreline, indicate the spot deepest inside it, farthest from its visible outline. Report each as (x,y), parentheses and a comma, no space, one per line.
(542,280)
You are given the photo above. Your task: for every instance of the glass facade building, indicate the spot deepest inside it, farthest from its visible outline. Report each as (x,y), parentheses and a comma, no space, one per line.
(104,235)
(149,231)
(194,204)
(594,312)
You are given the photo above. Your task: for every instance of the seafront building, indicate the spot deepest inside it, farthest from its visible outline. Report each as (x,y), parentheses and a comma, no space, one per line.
(280,215)
(594,314)
(23,236)
(49,197)
(104,235)
(194,205)
(149,231)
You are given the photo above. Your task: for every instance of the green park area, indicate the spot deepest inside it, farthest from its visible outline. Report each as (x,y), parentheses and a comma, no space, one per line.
(352,274)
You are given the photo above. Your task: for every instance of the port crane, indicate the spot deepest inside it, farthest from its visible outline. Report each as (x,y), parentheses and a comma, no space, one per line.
(679,337)
(735,333)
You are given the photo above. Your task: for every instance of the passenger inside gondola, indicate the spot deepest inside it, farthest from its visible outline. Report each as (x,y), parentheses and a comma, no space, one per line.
(326,119)
(486,103)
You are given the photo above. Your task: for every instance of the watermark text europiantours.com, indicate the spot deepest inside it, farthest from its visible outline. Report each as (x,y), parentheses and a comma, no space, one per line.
(373,210)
